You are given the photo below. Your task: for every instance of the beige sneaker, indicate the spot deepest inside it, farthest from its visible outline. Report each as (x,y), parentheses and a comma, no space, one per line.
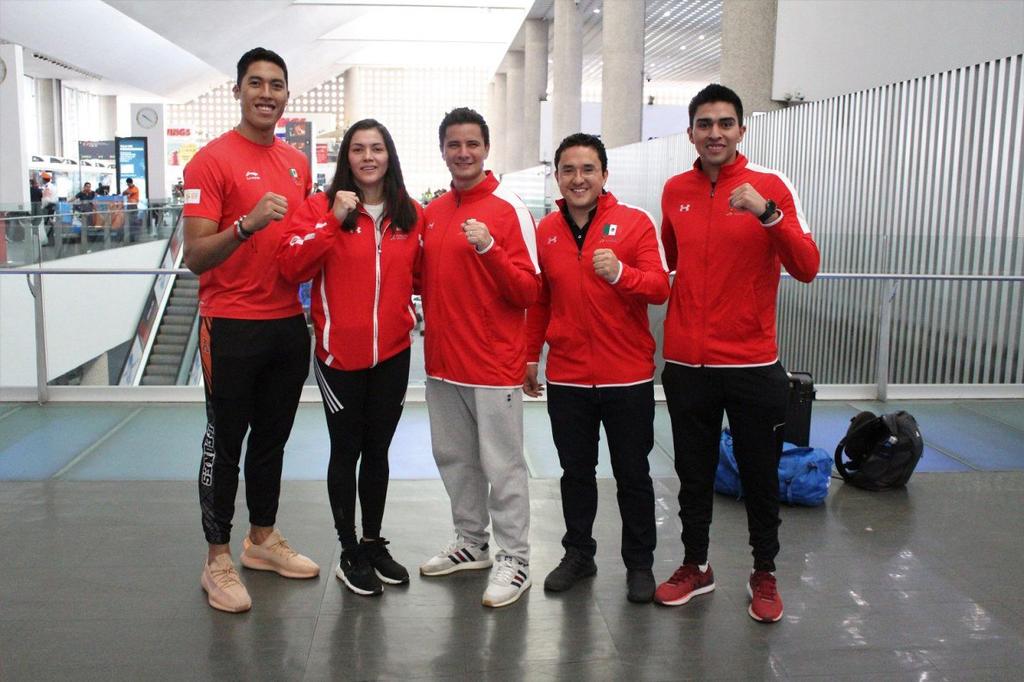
(224,588)
(276,555)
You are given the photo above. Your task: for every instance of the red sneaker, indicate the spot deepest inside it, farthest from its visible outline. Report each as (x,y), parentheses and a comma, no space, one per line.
(765,602)
(686,583)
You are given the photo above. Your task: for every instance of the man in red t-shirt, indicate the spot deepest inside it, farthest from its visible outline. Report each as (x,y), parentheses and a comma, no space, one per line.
(254,344)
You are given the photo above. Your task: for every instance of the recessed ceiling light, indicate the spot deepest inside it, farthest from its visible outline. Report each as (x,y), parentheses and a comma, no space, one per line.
(597,10)
(682,47)
(667,14)
(700,37)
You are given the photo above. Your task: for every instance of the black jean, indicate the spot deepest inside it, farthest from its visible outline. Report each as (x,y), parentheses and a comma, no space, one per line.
(363,408)
(253,371)
(754,398)
(627,413)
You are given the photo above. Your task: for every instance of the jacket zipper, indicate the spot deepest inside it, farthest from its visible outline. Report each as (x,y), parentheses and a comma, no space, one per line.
(704,312)
(376,291)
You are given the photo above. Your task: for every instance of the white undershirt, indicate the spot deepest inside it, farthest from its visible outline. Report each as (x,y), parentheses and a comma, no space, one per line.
(376,212)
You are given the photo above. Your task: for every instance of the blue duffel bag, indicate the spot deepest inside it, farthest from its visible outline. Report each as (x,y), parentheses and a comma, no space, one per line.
(804,473)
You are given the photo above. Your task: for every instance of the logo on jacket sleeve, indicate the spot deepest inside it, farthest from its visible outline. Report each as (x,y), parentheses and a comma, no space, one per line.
(684,208)
(553,239)
(192,196)
(252,175)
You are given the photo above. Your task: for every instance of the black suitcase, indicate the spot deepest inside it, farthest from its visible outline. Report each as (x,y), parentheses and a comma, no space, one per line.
(798,408)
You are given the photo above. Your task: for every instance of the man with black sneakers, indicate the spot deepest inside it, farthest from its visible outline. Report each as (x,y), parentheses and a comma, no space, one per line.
(601,266)
(253,343)
(728,226)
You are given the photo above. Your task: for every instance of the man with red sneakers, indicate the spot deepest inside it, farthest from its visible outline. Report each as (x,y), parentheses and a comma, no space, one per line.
(480,274)
(728,226)
(602,265)
(254,344)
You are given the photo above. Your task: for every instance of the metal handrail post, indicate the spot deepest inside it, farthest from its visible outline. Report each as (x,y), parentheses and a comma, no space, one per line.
(35,286)
(884,338)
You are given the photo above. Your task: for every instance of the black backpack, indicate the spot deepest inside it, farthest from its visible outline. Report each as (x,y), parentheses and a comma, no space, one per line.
(882,451)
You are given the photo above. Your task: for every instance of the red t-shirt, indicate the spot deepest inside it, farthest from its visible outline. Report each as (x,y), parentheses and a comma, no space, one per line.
(223,182)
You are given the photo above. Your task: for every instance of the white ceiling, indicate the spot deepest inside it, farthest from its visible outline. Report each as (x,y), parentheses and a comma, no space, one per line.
(179,49)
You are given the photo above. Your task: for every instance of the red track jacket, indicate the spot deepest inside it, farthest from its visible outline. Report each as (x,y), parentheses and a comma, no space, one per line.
(474,304)
(598,333)
(361,296)
(721,312)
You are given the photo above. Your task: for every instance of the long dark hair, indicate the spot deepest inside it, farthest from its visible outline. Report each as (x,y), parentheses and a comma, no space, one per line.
(397,204)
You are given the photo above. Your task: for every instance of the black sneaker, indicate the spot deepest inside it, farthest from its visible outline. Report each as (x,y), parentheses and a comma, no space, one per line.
(387,569)
(356,572)
(575,566)
(639,585)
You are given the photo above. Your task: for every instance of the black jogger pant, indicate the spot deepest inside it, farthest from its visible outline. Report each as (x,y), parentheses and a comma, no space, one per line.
(627,413)
(363,408)
(754,398)
(253,370)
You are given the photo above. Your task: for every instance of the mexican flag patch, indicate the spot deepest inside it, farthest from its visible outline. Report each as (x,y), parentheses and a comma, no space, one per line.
(609,229)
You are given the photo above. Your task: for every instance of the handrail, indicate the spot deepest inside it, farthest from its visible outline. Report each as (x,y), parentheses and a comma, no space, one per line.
(824,275)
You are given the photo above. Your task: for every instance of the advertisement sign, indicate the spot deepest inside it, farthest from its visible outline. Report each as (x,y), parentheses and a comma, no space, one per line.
(130,162)
(298,133)
(321,152)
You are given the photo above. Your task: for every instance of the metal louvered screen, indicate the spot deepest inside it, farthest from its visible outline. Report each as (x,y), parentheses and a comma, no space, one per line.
(919,177)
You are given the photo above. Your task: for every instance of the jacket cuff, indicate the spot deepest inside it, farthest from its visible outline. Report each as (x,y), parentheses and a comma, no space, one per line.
(776,221)
(618,276)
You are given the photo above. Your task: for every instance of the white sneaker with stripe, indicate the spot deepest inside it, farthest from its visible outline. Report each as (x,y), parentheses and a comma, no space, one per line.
(509,579)
(461,555)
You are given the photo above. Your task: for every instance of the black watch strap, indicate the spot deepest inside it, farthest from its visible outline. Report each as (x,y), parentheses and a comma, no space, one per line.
(769,211)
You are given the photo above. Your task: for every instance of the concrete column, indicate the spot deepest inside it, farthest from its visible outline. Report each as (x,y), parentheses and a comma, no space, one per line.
(748,52)
(514,111)
(567,75)
(622,79)
(353,96)
(14,149)
(497,121)
(48,104)
(535,88)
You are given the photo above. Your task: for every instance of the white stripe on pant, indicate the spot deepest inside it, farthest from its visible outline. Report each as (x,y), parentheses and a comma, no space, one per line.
(477,439)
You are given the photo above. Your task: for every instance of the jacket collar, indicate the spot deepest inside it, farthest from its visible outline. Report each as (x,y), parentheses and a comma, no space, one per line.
(604,202)
(726,171)
(480,190)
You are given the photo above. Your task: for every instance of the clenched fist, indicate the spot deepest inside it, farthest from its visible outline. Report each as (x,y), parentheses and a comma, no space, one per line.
(344,203)
(270,207)
(606,264)
(477,234)
(746,198)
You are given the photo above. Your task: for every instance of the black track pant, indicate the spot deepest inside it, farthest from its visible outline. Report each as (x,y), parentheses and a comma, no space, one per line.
(754,398)
(627,413)
(253,370)
(363,408)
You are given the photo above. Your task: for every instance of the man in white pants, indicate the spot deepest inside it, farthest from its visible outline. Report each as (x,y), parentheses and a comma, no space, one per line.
(480,275)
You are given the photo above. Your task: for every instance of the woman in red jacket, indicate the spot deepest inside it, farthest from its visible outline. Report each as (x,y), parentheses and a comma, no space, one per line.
(360,243)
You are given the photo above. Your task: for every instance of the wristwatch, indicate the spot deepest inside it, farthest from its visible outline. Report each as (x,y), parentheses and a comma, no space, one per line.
(769,211)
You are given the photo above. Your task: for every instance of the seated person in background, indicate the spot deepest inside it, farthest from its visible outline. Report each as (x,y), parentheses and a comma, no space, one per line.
(83,202)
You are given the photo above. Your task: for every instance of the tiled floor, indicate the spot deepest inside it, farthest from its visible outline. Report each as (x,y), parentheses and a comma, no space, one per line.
(102,551)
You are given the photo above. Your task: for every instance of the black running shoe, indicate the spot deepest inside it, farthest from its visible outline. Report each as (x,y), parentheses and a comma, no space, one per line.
(575,566)
(355,571)
(387,569)
(639,585)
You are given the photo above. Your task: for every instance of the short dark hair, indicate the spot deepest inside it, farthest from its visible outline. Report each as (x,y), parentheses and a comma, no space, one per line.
(259,54)
(583,140)
(129,181)
(716,93)
(463,115)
